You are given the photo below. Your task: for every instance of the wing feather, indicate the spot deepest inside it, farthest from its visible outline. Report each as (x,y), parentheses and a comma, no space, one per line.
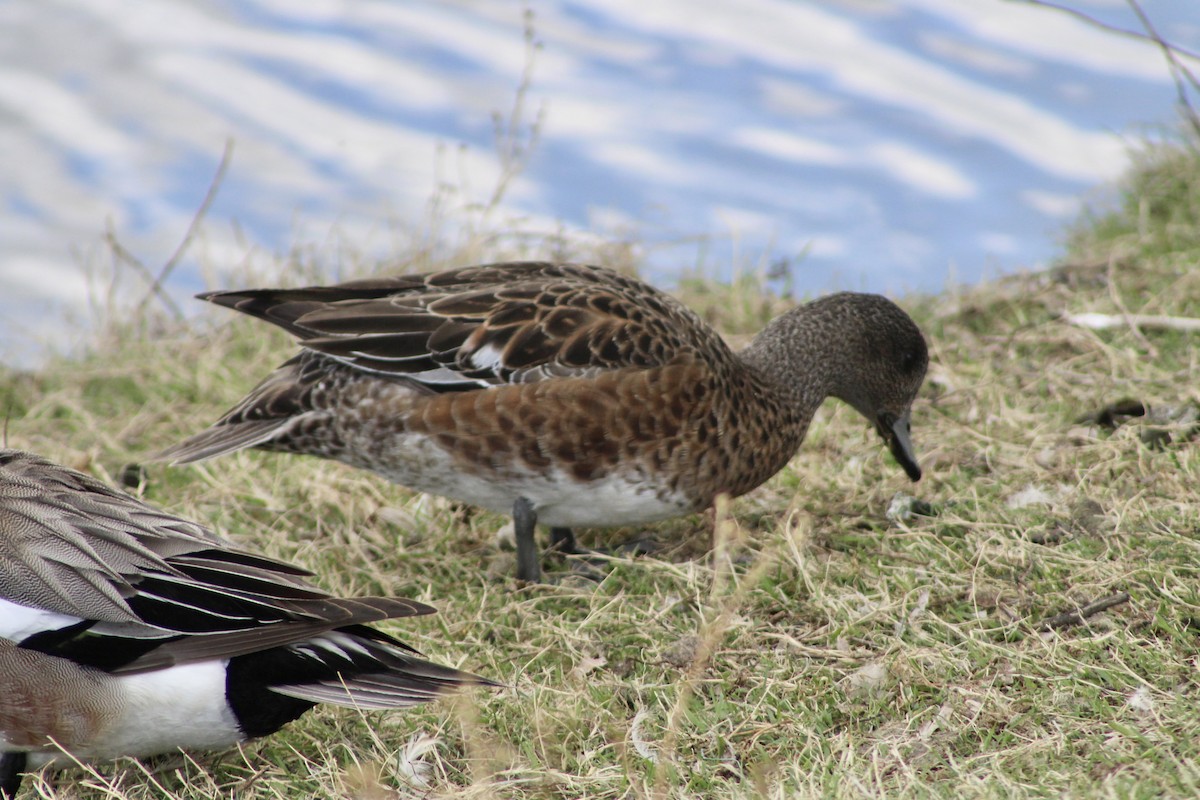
(74,546)
(489,325)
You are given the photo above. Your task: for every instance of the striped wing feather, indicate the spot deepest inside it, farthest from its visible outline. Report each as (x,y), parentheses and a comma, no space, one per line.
(333,614)
(71,545)
(369,670)
(74,546)
(479,326)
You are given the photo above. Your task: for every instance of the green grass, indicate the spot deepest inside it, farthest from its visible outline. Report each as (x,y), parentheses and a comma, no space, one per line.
(822,649)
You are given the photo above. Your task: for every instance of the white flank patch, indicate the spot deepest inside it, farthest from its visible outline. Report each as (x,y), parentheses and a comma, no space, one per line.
(167,709)
(18,622)
(158,712)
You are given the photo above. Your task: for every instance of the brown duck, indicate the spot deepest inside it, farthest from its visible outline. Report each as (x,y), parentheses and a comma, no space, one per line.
(562,393)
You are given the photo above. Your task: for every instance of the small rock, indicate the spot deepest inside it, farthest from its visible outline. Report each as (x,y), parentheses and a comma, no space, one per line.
(502,566)
(1052,536)
(1046,458)
(1115,414)
(681,654)
(400,518)
(904,507)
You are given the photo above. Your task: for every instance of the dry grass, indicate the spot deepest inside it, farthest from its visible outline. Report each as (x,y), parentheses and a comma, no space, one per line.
(822,648)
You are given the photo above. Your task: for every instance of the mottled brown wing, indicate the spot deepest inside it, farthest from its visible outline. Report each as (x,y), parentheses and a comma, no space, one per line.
(486,325)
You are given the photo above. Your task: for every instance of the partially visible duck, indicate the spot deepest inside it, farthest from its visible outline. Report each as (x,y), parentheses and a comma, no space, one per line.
(562,393)
(126,631)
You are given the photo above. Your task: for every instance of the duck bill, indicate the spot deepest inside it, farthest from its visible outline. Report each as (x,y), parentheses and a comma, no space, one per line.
(895,431)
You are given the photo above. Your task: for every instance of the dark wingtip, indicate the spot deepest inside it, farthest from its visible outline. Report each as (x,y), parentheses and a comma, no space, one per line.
(229,298)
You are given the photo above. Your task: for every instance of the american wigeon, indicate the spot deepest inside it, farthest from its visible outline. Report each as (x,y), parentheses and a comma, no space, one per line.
(126,631)
(564,394)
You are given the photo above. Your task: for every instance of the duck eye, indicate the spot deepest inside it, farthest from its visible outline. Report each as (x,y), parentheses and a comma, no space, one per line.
(909,360)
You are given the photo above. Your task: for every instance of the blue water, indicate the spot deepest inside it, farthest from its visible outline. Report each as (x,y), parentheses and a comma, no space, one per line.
(885,146)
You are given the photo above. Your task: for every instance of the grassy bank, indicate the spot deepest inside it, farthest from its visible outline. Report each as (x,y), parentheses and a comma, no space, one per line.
(825,647)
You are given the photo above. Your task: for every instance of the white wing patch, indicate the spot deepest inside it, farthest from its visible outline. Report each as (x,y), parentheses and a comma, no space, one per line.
(488,357)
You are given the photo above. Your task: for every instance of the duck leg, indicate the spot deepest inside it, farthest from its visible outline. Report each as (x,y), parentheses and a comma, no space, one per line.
(524,521)
(12,770)
(563,540)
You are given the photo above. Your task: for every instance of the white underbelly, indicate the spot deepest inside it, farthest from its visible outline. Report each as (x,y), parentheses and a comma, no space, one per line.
(620,498)
(608,502)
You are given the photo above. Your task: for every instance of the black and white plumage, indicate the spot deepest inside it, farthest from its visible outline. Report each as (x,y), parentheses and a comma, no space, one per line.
(127,631)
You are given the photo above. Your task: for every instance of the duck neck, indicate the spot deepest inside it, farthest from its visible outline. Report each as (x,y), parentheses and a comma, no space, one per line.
(777,401)
(794,362)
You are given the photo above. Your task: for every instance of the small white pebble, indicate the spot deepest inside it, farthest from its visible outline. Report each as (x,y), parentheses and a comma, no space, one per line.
(586,665)
(1096,322)
(901,507)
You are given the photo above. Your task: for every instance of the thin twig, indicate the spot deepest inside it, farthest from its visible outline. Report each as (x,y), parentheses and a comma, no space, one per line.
(1100,322)
(516,139)
(122,255)
(1145,37)
(1069,618)
(156,286)
(1180,74)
